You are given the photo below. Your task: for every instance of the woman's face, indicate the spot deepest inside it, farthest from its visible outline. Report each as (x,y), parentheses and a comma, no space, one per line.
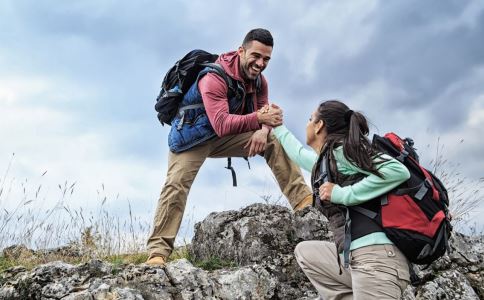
(311,129)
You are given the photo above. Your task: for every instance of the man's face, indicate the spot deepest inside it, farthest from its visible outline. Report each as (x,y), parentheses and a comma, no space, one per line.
(254,59)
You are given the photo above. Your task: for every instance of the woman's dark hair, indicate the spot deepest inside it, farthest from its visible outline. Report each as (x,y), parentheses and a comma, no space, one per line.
(260,35)
(349,129)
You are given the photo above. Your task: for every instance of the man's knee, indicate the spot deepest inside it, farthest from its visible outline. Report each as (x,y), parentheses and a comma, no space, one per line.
(272,140)
(174,190)
(273,147)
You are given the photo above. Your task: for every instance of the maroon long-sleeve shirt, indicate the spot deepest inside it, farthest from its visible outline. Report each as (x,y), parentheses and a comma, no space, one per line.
(214,94)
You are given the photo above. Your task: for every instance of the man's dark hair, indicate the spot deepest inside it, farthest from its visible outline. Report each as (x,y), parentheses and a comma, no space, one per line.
(260,35)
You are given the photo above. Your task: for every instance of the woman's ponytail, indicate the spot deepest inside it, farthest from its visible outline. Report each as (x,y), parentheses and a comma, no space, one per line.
(349,129)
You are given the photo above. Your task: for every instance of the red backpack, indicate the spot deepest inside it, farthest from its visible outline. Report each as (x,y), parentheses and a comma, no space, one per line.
(414,215)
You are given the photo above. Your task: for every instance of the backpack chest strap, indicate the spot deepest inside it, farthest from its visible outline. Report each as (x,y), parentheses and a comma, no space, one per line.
(181,113)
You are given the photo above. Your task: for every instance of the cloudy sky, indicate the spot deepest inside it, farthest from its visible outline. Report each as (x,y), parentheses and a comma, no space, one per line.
(78,81)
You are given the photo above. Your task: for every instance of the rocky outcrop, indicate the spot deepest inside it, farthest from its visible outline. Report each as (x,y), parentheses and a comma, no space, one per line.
(256,234)
(267,235)
(259,241)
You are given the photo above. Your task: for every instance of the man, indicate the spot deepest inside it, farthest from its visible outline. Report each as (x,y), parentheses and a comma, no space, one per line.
(238,126)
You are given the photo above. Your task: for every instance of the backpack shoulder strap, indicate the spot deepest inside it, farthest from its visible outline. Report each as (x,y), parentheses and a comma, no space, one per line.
(322,164)
(325,166)
(325,172)
(217,69)
(209,68)
(258,84)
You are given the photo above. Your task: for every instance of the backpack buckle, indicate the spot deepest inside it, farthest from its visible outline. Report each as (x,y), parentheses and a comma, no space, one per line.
(428,183)
(316,184)
(424,188)
(182,119)
(409,141)
(402,156)
(321,179)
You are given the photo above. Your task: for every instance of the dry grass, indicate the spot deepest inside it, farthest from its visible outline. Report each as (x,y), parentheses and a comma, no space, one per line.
(466,195)
(96,234)
(121,240)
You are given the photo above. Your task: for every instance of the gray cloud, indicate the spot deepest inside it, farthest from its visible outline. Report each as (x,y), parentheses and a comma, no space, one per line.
(82,77)
(415,49)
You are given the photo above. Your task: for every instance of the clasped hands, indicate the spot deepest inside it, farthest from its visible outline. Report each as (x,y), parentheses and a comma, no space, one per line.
(270,115)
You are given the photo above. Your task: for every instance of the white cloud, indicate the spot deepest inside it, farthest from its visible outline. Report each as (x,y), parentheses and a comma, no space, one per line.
(18,89)
(46,138)
(476,113)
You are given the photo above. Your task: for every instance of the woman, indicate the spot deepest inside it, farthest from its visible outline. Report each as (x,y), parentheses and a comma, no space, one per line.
(377,269)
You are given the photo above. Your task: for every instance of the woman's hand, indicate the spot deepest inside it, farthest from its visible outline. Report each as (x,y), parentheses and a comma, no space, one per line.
(325,191)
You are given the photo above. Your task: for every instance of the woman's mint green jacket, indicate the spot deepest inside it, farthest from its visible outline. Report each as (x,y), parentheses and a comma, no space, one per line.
(393,174)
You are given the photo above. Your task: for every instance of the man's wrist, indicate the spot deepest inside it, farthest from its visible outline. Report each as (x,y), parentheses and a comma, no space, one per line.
(266,129)
(259,117)
(260,112)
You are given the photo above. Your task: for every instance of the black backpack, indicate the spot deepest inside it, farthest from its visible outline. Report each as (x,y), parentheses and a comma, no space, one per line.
(180,78)
(414,215)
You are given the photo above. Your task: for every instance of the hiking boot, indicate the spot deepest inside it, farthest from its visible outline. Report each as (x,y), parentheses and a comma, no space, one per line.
(157,261)
(307,201)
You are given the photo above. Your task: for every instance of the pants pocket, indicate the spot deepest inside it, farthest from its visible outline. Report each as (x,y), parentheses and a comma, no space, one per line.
(382,269)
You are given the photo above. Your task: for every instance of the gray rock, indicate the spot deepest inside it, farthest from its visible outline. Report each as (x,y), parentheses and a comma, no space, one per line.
(95,268)
(102,292)
(56,290)
(152,282)
(21,252)
(466,251)
(82,295)
(9,292)
(409,293)
(259,240)
(310,224)
(245,283)
(449,285)
(126,294)
(193,283)
(71,250)
(256,233)
(251,235)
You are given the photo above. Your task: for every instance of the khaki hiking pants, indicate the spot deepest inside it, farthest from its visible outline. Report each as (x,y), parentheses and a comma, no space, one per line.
(375,272)
(184,166)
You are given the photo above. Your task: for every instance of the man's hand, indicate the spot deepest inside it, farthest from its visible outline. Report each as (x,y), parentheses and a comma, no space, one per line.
(270,115)
(325,191)
(257,142)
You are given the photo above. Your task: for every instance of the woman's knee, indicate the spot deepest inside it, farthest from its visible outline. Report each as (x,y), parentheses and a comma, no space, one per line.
(309,250)
(299,250)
